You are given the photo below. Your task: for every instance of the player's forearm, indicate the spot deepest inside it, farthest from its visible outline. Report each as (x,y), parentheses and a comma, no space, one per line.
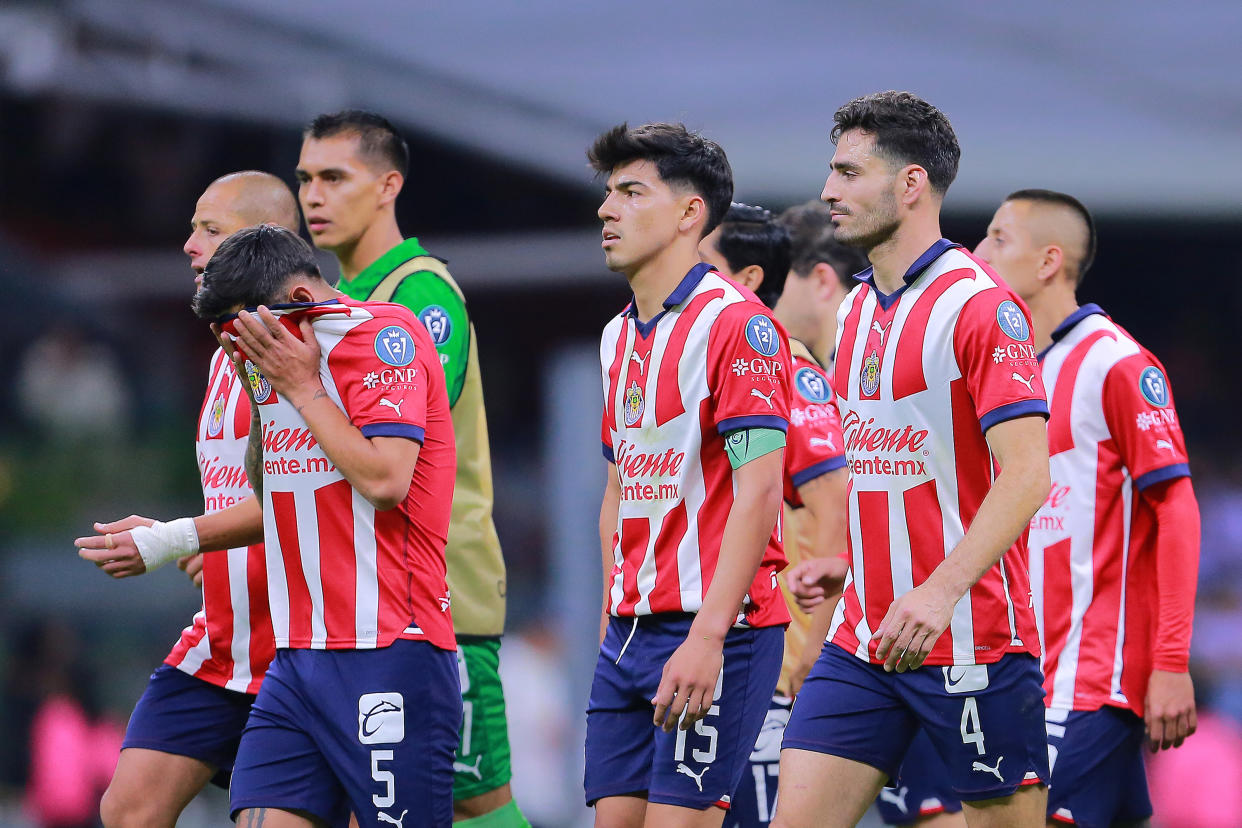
(239,525)
(608,511)
(254,455)
(382,477)
(824,497)
(751,520)
(1177,571)
(1006,511)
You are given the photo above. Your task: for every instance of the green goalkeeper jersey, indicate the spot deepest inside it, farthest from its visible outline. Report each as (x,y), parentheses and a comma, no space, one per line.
(409,276)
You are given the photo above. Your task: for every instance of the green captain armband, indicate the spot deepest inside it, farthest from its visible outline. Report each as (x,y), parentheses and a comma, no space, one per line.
(747,444)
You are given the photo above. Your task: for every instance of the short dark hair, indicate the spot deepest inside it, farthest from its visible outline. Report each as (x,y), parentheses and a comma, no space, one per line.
(379,142)
(250,268)
(814,240)
(1073,205)
(908,130)
(752,236)
(683,158)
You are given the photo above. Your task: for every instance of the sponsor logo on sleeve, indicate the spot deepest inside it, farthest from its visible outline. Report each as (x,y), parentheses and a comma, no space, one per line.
(437,322)
(635,404)
(812,385)
(1012,321)
(394,346)
(761,335)
(1154,387)
(259,385)
(381,718)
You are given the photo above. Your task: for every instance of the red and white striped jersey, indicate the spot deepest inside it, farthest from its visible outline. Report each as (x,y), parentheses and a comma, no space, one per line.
(1113,432)
(920,376)
(342,575)
(713,361)
(229,643)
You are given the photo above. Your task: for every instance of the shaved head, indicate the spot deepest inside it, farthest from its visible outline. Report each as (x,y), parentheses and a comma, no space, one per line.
(1054,218)
(259,198)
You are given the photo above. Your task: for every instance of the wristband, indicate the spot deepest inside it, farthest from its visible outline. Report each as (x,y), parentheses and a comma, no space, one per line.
(160,543)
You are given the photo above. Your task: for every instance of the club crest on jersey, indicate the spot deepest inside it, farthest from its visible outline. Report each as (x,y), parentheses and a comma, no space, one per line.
(871,374)
(259,386)
(394,346)
(635,405)
(1012,321)
(1154,386)
(215,423)
(761,335)
(811,385)
(436,320)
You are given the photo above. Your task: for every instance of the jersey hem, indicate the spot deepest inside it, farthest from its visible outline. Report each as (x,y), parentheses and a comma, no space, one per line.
(819,469)
(1160,475)
(1012,411)
(753,421)
(412,432)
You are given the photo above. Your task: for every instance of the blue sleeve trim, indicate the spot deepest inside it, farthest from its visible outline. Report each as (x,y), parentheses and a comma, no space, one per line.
(756,421)
(406,430)
(608,455)
(1160,475)
(1012,411)
(818,470)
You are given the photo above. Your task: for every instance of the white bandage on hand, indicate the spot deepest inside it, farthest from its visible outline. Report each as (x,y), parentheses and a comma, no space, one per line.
(160,542)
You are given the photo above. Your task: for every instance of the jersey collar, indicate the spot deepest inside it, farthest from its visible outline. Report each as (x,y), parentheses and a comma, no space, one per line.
(867,277)
(1090,309)
(374,273)
(679,295)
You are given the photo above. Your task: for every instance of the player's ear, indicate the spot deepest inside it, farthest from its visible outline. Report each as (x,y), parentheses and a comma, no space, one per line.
(391,183)
(826,281)
(694,213)
(299,292)
(751,276)
(1051,262)
(912,184)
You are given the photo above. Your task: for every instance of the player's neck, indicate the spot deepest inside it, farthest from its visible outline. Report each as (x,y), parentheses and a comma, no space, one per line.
(817,335)
(659,276)
(375,241)
(892,258)
(1048,310)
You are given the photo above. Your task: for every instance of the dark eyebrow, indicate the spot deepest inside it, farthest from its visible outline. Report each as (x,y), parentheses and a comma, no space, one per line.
(845,166)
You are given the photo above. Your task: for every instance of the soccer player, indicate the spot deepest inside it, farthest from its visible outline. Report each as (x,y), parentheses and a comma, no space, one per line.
(751,247)
(1115,547)
(696,405)
(352,168)
(361,707)
(186,727)
(948,457)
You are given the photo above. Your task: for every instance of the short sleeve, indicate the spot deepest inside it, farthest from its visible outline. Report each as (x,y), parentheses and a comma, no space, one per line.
(996,354)
(748,369)
(442,311)
(381,370)
(1138,407)
(815,444)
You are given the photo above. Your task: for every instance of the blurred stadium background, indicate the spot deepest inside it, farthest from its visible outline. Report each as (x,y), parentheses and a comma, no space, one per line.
(115,114)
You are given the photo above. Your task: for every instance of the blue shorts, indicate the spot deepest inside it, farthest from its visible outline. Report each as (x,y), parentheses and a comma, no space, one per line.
(698,768)
(187,716)
(984,721)
(921,788)
(1098,777)
(367,731)
(754,801)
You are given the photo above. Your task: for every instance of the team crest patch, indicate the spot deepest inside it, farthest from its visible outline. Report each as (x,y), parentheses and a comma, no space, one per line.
(215,423)
(811,385)
(635,405)
(259,386)
(1012,321)
(871,374)
(394,346)
(436,320)
(1154,387)
(761,335)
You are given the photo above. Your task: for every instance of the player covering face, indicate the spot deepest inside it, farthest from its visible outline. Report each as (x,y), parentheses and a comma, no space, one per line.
(934,629)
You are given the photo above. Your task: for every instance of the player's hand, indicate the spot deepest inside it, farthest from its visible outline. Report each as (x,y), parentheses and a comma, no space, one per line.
(290,364)
(814,579)
(911,627)
(113,549)
(235,357)
(688,682)
(1169,709)
(192,565)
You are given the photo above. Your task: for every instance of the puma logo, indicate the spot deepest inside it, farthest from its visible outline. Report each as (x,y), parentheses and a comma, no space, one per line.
(383,817)
(1165,444)
(826,442)
(642,361)
(881,330)
(445,601)
(395,406)
(995,771)
(896,796)
(767,398)
(1027,382)
(473,770)
(697,777)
